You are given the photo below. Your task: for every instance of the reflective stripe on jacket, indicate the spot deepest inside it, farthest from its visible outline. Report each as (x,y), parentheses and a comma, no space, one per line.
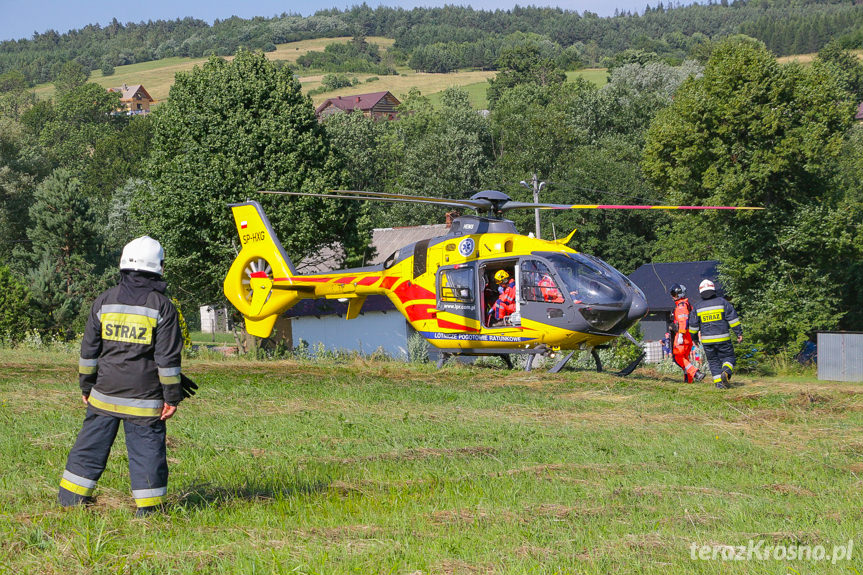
(130,355)
(682,310)
(715,317)
(505,304)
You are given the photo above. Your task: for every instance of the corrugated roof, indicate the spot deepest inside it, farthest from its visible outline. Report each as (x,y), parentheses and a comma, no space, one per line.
(384,240)
(656,279)
(387,240)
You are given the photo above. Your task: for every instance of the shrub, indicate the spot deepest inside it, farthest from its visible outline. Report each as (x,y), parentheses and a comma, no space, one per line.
(14,307)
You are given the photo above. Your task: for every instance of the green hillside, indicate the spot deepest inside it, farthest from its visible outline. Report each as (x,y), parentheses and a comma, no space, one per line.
(157,76)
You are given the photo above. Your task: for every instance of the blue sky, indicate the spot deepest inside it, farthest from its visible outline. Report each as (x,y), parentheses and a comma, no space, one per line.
(20,18)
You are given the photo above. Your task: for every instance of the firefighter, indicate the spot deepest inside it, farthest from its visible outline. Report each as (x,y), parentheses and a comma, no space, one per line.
(505,304)
(129,371)
(681,340)
(715,318)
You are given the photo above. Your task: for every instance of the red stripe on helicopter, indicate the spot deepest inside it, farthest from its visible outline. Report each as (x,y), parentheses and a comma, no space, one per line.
(450,325)
(419,311)
(409,291)
(368,280)
(389,281)
(631,207)
(258,274)
(345,279)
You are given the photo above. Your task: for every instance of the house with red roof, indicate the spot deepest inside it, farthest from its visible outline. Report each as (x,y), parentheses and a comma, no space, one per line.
(377,105)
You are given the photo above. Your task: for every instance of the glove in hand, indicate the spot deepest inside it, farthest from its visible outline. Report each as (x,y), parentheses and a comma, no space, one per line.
(188,386)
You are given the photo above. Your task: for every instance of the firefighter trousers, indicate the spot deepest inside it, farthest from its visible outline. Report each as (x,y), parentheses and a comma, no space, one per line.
(148,462)
(720,358)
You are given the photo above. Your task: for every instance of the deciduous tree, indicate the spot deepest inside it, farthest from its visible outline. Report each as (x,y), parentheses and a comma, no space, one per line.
(228,130)
(753,132)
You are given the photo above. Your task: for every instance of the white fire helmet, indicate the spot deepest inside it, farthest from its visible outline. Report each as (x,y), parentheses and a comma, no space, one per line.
(143,254)
(706,285)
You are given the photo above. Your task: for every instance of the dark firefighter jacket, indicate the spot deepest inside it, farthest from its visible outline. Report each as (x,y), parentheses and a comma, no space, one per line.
(715,318)
(130,354)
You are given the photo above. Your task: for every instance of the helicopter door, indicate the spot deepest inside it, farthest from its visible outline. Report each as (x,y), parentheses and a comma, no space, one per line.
(491,292)
(457,293)
(541,295)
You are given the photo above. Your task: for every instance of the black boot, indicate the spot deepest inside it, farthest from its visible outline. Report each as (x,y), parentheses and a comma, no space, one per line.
(145,511)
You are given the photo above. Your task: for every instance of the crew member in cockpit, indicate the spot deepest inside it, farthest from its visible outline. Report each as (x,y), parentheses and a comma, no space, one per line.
(549,290)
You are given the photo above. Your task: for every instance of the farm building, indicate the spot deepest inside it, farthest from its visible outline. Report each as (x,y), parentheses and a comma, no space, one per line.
(377,105)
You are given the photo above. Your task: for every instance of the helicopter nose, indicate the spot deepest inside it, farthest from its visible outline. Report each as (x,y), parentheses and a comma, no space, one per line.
(638,307)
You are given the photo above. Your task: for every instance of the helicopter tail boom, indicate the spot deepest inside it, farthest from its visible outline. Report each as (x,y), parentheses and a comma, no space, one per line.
(249,284)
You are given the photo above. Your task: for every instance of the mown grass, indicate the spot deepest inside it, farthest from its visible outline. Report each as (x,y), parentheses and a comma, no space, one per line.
(383,467)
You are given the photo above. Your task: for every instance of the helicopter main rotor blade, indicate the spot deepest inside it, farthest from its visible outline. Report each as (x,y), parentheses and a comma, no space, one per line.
(527,205)
(389,198)
(475,204)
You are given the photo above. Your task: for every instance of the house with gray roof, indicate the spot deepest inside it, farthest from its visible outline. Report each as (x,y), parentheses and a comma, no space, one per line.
(134,99)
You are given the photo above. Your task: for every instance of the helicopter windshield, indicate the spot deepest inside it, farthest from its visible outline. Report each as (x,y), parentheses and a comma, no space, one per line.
(589,282)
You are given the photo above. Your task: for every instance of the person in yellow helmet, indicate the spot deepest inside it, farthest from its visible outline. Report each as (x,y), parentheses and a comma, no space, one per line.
(505,304)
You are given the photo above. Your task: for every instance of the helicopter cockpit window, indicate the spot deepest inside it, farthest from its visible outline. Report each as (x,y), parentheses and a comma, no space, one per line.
(588,282)
(538,284)
(456,285)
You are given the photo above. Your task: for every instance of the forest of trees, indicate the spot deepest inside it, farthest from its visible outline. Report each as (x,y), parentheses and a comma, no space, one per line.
(734,127)
(443,39)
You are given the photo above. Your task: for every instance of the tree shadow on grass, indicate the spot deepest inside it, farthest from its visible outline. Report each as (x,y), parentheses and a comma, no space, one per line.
(203,494)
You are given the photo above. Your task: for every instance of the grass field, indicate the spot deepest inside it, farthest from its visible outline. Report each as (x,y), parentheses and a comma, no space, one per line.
(384,467)
(808,58)
(158,76)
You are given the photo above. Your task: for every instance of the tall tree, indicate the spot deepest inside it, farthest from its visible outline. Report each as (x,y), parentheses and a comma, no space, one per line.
(81,117)
(845,66)
(63,253)
(228,130)
(72,75)
(447,153)
(753,132)
(523,64)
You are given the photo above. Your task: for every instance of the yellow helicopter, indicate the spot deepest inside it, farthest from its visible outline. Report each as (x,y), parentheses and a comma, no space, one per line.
(446,286)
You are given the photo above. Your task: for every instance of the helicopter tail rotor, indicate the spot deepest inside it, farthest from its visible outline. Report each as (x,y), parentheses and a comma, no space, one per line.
(262,261)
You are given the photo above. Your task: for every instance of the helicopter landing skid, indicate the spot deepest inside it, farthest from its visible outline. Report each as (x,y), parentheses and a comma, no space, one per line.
(631,367)
(559,365)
